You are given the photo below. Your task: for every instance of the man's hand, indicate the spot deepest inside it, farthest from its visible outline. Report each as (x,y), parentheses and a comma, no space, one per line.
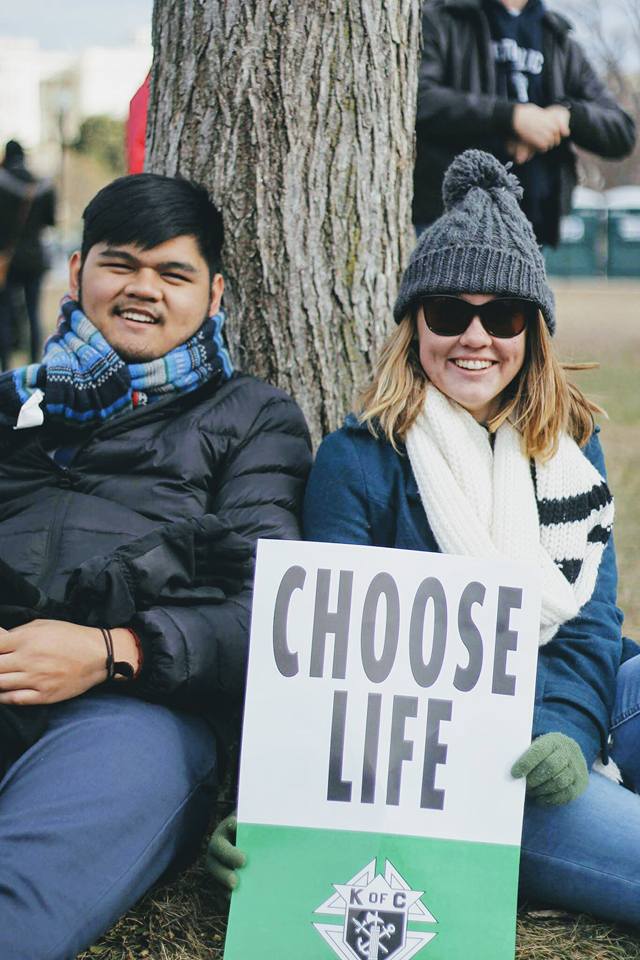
(540,128)
(46,661)
(563,117)
(223,857)
(519,151)
(555,769)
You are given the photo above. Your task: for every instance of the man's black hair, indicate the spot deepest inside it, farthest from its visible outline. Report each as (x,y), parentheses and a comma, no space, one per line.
(146,209)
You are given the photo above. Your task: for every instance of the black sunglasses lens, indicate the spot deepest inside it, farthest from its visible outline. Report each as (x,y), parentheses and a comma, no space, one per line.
(446,316)
(507,317)
(502,318)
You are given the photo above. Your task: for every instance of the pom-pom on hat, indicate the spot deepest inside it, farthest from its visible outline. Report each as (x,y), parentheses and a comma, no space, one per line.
(482,243)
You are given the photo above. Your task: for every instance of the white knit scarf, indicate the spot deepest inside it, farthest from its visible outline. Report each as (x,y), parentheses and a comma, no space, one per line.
(483,502)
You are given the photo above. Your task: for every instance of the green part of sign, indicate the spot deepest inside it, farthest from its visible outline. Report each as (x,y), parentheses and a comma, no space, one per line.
(287,906)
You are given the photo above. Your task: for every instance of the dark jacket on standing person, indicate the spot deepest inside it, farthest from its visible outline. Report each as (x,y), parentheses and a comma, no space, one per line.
(27,206)
(115,527)
(459,106)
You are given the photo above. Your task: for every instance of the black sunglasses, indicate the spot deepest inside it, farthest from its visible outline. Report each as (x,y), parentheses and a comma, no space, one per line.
(504,317)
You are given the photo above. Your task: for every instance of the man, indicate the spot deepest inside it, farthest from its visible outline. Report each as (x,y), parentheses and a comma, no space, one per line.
(27,206)
(137,470)
(506,76)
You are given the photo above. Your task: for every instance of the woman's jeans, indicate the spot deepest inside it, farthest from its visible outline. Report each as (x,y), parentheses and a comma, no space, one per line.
(585,856)
(116,792)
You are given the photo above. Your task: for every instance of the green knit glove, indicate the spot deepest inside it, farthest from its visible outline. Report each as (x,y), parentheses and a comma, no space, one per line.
(555,769)
(223,857)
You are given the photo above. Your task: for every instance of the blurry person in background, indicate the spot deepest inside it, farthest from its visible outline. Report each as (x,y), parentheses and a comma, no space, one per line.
(27,206)
(507,77)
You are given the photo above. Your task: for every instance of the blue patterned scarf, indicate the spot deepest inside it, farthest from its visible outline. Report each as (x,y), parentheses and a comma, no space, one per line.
(84,381)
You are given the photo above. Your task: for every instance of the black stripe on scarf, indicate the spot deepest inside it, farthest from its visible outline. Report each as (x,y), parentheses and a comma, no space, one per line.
(571,509)
(599,534)
(570,569)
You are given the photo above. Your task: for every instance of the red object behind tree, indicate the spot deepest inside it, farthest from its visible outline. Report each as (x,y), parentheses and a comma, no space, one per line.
(137,128)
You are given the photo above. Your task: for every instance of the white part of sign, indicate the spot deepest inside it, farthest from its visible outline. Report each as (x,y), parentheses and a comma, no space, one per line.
(288,722)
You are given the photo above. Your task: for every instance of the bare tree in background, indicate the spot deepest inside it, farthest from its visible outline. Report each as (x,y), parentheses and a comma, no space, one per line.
(612,33)
(299,119)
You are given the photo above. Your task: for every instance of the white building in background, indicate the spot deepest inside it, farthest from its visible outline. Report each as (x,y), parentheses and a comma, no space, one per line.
(22,67)
(46,93)
(109,77)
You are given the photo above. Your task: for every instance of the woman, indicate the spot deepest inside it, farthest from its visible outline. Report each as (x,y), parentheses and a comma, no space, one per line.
(471,441)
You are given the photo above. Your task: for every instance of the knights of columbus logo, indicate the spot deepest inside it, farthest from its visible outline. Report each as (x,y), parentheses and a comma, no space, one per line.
(375,911)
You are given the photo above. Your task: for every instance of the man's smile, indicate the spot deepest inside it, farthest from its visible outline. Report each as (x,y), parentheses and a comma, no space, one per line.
(136,315)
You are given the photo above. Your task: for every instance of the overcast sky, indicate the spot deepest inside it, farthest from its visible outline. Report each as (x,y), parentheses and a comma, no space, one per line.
(72,24)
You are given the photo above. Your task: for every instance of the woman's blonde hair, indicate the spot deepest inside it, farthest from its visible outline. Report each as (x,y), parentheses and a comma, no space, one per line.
(540,402)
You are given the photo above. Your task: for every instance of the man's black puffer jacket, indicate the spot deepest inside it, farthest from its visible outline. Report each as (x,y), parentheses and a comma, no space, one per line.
(240,452)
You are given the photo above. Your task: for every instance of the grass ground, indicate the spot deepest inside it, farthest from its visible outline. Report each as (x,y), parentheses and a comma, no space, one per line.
(599,321)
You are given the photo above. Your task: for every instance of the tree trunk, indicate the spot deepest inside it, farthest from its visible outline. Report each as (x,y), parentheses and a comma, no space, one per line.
(299,119)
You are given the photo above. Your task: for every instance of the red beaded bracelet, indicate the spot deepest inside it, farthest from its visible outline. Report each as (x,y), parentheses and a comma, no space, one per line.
(139,652)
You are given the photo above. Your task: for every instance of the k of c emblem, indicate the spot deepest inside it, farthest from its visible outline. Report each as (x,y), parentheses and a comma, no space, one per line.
(376,911)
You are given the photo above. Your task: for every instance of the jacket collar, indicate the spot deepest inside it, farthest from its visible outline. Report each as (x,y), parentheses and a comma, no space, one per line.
(351,423)
(555,21)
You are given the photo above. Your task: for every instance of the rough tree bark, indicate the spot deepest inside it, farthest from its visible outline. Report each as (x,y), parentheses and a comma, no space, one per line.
(298,117)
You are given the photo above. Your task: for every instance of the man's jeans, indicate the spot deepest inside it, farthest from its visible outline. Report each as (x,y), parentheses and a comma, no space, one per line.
(585,856)
(115,793)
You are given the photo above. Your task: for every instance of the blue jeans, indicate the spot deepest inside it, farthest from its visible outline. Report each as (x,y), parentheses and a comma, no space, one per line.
(585,856)
(116,792)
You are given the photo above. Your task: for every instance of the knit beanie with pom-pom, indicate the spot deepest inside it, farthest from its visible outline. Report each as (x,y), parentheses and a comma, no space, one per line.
(482,243)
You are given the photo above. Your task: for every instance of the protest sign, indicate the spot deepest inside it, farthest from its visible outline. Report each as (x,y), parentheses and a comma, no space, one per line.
(389,692)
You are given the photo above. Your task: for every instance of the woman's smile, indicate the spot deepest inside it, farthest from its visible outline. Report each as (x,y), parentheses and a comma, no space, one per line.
(471,364)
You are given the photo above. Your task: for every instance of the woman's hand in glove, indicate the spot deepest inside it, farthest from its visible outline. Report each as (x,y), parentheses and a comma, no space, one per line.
(555,769)
(223,857)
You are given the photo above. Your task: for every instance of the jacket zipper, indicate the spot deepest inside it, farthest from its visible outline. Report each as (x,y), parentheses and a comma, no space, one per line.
(53,540)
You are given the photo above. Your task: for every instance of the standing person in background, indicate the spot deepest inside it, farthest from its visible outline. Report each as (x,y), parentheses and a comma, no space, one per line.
(27,206)
(507,77)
